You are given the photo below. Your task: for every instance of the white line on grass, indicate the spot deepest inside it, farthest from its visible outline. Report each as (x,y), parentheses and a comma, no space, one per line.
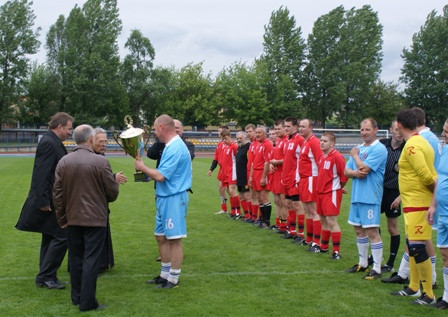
(185,275)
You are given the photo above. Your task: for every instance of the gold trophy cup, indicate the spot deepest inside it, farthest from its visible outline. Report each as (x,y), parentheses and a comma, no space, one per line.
(132,142)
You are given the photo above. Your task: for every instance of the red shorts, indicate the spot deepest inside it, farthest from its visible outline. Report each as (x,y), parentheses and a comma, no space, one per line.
(256,178)
(307,189)
(329,204)
(227,182)
(291,190)
(276,183)
(220,175)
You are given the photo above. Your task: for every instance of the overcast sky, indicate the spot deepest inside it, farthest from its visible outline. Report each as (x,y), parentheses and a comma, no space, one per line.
(220,32)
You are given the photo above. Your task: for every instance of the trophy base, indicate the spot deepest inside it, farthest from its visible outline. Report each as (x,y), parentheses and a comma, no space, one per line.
(141,177)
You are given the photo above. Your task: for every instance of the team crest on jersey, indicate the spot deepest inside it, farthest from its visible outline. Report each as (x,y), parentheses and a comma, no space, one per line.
(363,155)
(290,146)
(411,150)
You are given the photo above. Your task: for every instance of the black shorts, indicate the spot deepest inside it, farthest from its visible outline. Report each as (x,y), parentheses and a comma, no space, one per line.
(243,189)
(389,196)
(293,197)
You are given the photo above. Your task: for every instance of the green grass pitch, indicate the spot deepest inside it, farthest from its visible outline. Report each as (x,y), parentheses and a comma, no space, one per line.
(230,268)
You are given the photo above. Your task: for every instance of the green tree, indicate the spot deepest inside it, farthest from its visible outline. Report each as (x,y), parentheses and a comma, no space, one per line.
(17,41)
(136,71)
(41,97)
(425,69)
(83,52)
(161,93)
(384,102)
(281,64)
(361,43)
(240,97)
(191,98)
(325,91)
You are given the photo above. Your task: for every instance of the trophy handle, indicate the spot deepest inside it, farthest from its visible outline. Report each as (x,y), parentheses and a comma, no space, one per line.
(116,137)
(147,130)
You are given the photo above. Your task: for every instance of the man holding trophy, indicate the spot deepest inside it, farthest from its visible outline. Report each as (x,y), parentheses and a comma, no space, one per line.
(173,176)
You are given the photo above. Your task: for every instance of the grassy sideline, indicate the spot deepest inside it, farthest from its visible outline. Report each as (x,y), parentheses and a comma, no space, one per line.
(230,268)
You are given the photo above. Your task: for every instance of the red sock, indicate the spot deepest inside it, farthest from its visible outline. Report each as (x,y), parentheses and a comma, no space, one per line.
(292,222)
(277,221)
(301,225)
(283,225)
(224,206)
(336,238)
(255,212)
(232,206)
(309,230)
(325,239)
(317,227)
(237,205)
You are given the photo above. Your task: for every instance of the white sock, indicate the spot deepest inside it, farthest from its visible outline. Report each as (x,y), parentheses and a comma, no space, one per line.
(363,251)
(445,283)
(403,270)
(165,271)
(174,276)
(434,272)
(377,254)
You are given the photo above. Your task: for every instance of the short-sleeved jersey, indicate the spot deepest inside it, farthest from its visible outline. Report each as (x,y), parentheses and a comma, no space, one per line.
(262,154)
(290,169)
(416,173)
(442,184)
(331,172)
(175,166)
(251,154)
(391,172)
(228,161)
(278,152)
(435,144)
(310,155)
(369,190)
(218,152)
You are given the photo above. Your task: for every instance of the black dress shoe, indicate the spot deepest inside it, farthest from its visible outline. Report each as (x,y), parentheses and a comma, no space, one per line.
(99,307)
(50,285)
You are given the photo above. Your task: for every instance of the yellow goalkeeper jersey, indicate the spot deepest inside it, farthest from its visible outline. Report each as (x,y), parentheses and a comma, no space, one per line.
(416,173)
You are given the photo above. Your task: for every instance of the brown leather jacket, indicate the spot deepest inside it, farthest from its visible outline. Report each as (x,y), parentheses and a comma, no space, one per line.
(84,184)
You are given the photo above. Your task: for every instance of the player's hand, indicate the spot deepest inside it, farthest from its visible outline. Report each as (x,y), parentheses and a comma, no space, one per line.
(396,203)
(430,215)
(121,178)
(138,164)
(344,190)
(263,181)
(45,209)
(354,151)
(209,173)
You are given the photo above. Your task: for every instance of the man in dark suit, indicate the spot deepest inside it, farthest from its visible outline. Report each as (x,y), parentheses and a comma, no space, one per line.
(38,211)
(84,185)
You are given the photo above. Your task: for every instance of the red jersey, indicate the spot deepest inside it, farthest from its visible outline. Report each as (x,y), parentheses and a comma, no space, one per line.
(290,168)
(331,172)
(310,156)
(218,152)
(262,154)
(228,162)
(250,155)
(278,152)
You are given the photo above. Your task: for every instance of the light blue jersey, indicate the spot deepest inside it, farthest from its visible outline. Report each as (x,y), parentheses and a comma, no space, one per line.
(442,185)
(175,166)
(435,144)
(369,190)
(442,200)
